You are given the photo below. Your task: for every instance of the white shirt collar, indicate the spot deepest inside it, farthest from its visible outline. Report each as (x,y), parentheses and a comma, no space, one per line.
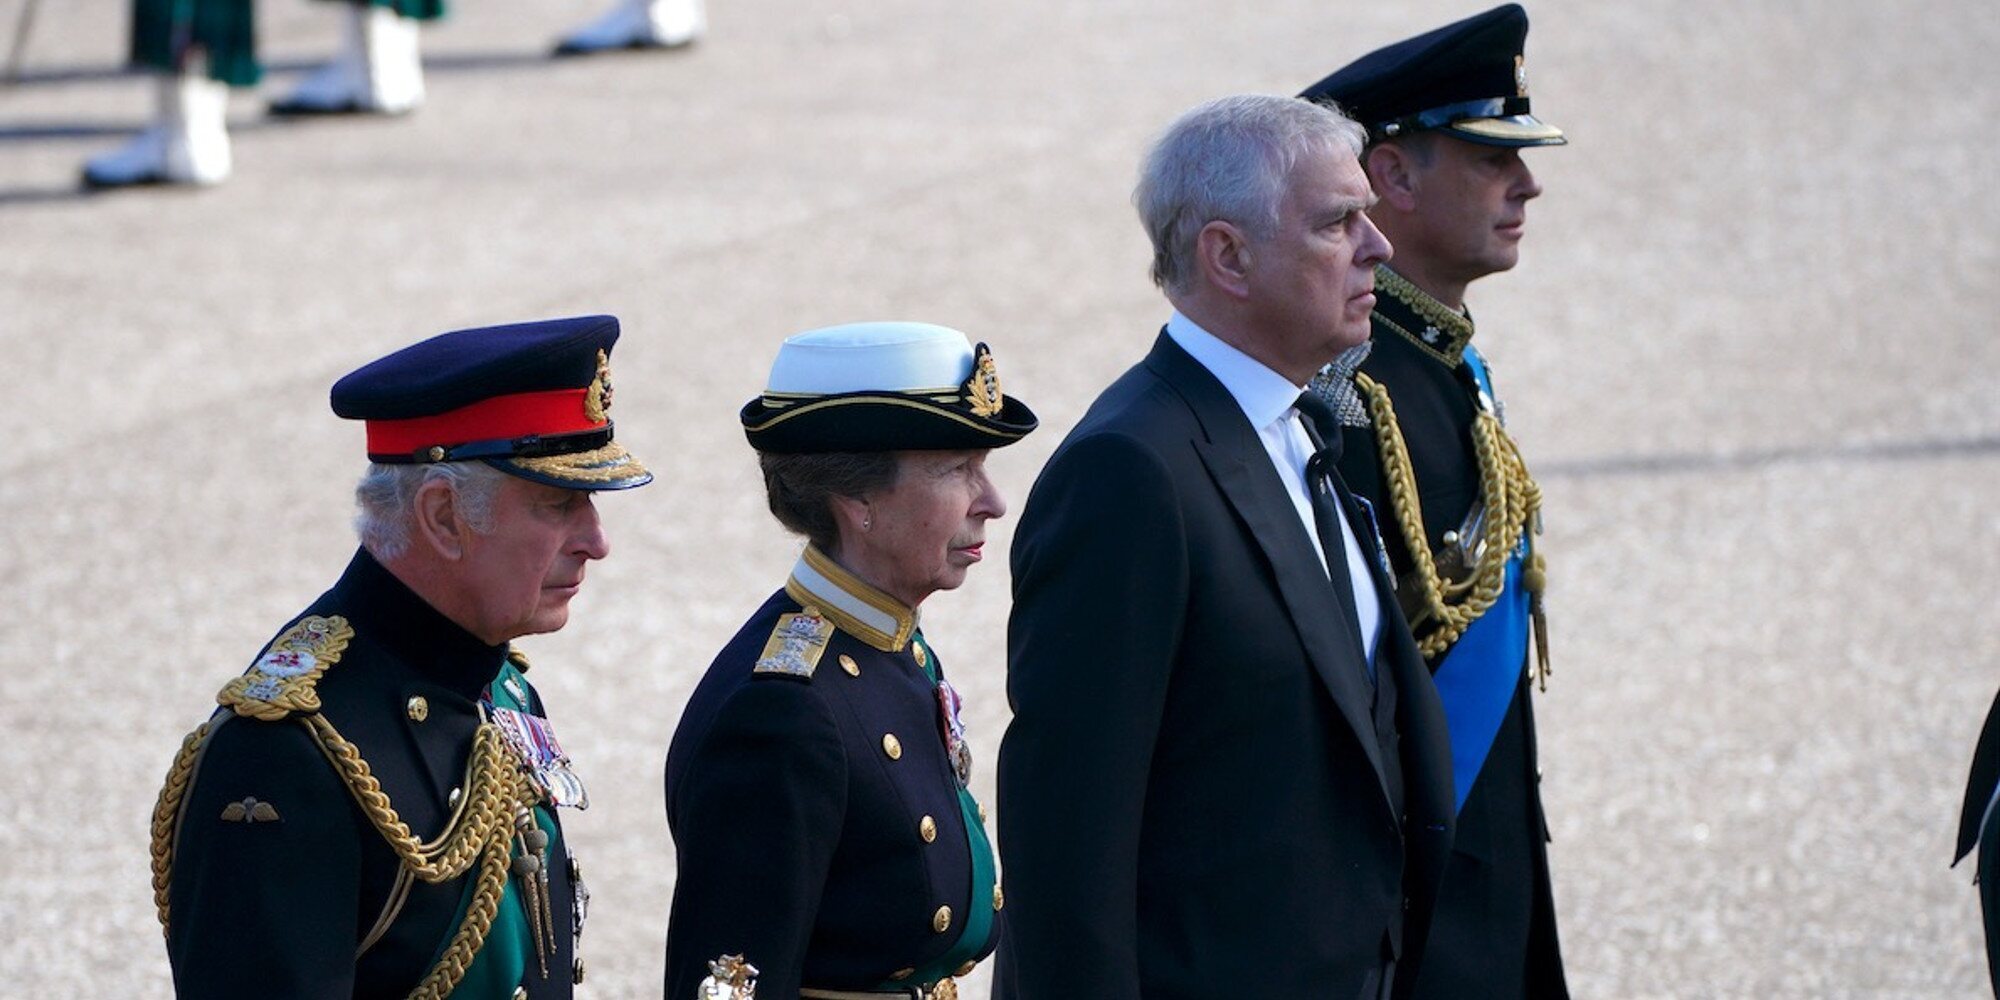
(1263,394)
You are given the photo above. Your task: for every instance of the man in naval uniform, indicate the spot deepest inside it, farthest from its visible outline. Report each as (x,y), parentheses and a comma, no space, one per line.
(197,49)
(1976,829)
(371,811)
(1447,115)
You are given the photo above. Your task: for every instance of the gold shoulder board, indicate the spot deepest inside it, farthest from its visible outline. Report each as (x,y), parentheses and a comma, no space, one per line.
(281,682)
(795,644)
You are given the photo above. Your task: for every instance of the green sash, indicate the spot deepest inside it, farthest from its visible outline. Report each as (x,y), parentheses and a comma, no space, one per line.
(501,964)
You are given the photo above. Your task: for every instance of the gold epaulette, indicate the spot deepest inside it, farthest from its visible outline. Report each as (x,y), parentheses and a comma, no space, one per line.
(796,643)
(280,683)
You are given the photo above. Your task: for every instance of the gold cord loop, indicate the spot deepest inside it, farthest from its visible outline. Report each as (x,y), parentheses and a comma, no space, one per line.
(1512,501)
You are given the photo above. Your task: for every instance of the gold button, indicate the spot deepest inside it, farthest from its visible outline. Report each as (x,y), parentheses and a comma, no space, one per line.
(927,829)
(418,708)
(520,993)
(902,973)
(941,920)
(999,898)
(451,801)
(847,663)
(575,870)
(576,974)
(892,746)
(966,969)
(923,658)
(982,813)
(437,455)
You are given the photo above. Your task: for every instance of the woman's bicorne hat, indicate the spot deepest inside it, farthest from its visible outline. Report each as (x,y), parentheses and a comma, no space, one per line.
(883,387)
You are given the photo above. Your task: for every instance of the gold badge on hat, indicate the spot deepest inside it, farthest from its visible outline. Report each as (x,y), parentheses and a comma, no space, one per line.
(597,398)
(1520,76)
(982,389)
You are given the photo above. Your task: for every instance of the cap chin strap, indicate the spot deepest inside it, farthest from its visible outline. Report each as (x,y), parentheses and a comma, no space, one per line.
(530,446)
(1439,117)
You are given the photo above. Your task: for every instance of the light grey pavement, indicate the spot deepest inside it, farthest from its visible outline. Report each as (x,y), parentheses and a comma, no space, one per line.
(1750,352)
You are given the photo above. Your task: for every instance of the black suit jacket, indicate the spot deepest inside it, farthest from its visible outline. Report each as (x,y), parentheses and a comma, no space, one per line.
(1192,798)
(1978,792)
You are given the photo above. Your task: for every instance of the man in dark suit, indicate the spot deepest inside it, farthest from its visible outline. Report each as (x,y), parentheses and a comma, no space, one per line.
(1227,772)
(1976,830)
(1448,117)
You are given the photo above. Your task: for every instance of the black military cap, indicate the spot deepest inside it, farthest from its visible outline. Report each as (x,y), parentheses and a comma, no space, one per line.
(530,399)
(1466,78)
(883,387)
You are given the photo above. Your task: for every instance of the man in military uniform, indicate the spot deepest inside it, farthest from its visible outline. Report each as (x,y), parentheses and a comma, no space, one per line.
(370,812)
(1976,830)
(1447,116)
(198,49)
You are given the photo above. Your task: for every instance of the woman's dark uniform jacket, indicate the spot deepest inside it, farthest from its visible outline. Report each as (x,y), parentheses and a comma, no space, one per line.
(1498,877)
(1979,791)
(274,876)
(823,833)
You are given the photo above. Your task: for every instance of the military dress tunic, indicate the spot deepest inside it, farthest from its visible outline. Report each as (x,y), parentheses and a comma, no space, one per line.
(278,883)
(816,794)
(1494,930)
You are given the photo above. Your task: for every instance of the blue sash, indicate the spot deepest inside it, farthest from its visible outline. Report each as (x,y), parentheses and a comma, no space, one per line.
(1477,678)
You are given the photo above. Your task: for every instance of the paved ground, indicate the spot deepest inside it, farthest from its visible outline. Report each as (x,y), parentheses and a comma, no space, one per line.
(1749,351)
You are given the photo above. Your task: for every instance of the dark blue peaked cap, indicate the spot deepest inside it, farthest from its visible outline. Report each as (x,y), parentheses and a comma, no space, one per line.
(530,399)
(1466,78)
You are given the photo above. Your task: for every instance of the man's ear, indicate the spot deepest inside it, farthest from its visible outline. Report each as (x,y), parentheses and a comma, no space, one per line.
(437,524)
(1395,174)
(1222,254)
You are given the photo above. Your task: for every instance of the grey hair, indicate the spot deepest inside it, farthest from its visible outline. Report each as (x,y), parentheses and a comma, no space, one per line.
(1228,160)
(800,488)
(385,500)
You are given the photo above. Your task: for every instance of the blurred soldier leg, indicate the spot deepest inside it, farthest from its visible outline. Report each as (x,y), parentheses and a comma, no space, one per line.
(197,49)
(639,24)
(379,69)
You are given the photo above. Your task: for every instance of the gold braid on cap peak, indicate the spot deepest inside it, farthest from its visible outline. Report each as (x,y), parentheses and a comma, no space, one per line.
(1512,500)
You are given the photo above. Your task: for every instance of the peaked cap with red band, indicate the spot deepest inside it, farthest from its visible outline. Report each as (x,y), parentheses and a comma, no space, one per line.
(530,399)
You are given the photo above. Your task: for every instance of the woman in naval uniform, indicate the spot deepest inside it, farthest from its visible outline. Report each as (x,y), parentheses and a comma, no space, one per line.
(817,785)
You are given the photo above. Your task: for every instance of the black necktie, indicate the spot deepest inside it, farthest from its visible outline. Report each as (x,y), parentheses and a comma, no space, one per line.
(1324,430)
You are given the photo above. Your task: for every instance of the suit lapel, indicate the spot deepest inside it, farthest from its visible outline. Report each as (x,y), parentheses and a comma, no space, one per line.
(1236,459)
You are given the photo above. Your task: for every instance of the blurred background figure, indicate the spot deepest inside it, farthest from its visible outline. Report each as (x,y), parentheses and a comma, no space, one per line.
(1975,830)
(638,24)
(380,66)
(198,49)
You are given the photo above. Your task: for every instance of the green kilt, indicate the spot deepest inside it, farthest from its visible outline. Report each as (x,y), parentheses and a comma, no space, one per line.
(164,30)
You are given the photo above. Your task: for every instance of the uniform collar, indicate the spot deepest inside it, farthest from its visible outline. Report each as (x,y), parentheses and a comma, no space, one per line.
(857,608)
(1435,328)
(386,611)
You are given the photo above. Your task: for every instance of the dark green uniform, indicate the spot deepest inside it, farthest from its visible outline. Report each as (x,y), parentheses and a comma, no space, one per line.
(274,879)
(163,31)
